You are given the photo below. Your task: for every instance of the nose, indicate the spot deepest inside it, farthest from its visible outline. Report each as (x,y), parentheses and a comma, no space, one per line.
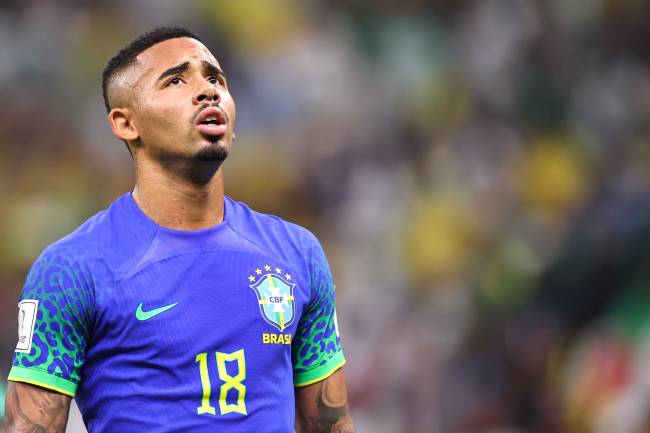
(207,94)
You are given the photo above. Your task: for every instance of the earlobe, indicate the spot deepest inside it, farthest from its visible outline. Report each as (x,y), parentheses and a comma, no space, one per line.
(122,125)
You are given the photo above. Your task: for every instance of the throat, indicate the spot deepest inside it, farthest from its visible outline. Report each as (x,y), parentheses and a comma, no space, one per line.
(179,203)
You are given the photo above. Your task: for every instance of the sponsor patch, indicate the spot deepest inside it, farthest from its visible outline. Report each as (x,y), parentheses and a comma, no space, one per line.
(336,324)
(26,321)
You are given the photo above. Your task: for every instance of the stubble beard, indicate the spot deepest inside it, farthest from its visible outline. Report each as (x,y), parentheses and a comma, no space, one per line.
(216,151)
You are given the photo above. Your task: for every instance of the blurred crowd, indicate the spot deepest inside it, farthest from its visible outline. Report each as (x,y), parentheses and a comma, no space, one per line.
(478,172)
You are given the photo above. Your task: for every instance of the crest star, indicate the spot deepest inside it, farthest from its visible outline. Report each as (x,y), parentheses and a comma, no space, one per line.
(258,271)
(287,276)
(278,271)
(251,278)
(267,268)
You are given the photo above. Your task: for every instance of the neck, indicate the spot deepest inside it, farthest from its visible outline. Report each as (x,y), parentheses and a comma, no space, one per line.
(180,202)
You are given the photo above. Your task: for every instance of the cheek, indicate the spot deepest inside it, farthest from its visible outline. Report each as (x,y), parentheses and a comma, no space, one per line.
(159,119)
(229,106)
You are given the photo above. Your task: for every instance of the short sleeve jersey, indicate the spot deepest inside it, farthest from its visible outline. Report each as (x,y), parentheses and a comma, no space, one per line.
(160,330)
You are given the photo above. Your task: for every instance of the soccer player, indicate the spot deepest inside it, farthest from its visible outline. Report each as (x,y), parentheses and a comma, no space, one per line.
(178,309)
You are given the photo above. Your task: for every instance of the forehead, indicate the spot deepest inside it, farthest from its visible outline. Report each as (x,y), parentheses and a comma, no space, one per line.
(173,52)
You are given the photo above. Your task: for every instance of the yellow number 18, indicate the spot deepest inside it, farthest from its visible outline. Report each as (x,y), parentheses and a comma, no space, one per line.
(230,382)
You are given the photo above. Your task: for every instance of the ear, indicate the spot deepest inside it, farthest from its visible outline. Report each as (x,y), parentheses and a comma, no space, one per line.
(122,124)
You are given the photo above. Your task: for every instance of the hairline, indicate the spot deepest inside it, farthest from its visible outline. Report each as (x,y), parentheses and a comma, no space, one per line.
(120,72)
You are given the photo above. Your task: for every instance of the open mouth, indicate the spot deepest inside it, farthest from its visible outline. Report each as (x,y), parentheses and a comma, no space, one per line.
(212,122)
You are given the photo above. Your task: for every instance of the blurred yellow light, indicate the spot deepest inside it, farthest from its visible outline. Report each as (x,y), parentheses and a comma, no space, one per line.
(255,24)
(552,175)
(437,239)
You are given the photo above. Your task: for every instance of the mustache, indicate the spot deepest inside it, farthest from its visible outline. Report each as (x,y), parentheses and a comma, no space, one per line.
(204,106)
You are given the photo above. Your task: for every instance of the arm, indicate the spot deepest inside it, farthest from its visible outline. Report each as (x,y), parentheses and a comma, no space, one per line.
(323,406)
(55,316)
(32,409)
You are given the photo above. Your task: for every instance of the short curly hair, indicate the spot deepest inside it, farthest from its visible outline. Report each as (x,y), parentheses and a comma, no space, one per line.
(126,56)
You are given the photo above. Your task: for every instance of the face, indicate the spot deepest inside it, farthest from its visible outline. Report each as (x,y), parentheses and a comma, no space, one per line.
(179,105)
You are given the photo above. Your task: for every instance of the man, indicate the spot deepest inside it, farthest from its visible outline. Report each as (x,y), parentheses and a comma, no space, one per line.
(178,309)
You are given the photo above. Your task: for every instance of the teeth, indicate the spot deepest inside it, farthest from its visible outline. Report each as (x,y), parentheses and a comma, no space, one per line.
(215,119)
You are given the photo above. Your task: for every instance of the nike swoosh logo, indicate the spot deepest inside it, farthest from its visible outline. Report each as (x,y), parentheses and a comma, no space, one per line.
(146,315)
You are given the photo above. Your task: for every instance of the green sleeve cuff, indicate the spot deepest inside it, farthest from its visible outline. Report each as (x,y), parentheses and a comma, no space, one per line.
(319,373)
(43,379)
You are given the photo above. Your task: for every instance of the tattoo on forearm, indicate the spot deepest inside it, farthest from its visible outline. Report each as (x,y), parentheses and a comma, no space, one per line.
(35,411)
(333,416)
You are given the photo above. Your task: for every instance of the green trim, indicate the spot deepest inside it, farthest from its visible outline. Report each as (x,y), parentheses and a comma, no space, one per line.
(43,379)
(319,373)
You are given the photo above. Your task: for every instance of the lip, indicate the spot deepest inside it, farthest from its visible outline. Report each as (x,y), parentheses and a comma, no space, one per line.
(212,129)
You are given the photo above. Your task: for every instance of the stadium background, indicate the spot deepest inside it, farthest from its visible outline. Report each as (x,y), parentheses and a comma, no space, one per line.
(478,172)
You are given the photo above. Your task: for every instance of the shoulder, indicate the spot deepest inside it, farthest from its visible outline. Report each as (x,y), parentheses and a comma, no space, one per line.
(269,232)
(96,240)
(66,269)
(83,265)
(83,244)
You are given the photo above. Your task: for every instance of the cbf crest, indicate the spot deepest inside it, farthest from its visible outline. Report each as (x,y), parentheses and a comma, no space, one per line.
(274,293)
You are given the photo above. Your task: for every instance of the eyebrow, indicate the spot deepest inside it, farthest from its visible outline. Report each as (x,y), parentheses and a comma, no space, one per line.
(212,69)
(178,69)
(175,70)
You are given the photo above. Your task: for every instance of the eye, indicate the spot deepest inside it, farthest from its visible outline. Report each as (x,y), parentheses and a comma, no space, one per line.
(217,79)
(213,80)
(175,81)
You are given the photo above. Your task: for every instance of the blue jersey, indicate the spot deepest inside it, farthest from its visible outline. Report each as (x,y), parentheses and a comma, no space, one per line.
(160,330)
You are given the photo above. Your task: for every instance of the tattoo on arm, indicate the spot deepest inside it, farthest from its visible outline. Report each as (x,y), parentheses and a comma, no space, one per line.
(32,409)
(333,417)
(323,407)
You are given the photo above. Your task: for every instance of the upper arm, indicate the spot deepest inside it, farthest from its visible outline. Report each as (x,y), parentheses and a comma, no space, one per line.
(321,390)
(55,316)
(316,347)
(322,407)
(32,409)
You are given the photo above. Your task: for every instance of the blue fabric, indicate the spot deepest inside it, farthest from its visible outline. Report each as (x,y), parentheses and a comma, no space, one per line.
(234,285)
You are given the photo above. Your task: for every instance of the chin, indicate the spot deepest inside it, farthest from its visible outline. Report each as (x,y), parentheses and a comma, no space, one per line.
(214,151)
